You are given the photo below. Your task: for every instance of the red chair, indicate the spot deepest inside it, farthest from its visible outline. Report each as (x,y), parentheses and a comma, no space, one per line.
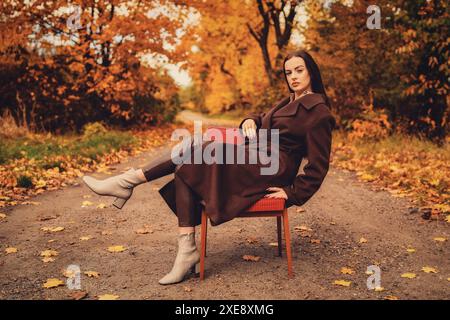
(264,207)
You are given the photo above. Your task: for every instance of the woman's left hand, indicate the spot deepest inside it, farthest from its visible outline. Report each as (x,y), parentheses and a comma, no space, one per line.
(278,193)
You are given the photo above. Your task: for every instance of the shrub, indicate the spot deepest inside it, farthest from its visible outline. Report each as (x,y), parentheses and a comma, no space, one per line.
(24,182)
(93,129)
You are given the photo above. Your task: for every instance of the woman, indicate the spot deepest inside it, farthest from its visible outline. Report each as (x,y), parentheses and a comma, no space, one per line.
(305,124)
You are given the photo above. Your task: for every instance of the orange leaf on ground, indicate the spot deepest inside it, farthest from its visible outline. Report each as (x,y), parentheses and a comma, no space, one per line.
(342,283)
(251,258)
(108,297)
(346,270)
(52,283)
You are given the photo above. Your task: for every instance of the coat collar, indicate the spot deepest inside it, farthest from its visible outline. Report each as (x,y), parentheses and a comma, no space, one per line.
(309,100)
(289,106)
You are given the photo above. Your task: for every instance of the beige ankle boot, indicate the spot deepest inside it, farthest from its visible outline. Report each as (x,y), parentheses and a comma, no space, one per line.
(120,186)
(187,260)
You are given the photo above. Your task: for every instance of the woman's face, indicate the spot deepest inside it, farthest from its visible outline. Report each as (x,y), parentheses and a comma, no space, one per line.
(297,75)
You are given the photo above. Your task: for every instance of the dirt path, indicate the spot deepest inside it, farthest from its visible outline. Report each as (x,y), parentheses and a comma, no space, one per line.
(189,116)
(339,215)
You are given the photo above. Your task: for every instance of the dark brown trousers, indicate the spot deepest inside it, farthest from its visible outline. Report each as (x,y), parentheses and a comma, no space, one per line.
(186,199)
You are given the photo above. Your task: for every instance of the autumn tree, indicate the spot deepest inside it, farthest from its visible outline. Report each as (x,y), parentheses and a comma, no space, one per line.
(424,29)
(79,61)
(240,46)
(399,68)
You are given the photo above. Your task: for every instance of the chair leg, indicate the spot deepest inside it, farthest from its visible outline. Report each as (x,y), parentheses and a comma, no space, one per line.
(203,244)
(287,238)
(206,236)
(279,236)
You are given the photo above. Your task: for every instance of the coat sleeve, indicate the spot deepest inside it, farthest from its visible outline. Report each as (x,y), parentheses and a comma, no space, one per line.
(318,149)
(257,117)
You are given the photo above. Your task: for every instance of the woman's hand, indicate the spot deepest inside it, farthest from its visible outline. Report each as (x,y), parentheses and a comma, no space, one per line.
(279,193)
(249,128)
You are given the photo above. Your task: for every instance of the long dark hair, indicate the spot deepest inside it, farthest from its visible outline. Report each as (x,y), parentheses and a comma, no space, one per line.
(313,70)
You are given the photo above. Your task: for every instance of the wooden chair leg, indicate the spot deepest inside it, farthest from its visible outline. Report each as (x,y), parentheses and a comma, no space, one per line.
(204,227)
(279,236)
(206,236)
(287,237)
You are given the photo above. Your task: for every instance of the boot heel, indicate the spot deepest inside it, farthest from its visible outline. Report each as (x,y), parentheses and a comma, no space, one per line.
(119,203)
(196,269)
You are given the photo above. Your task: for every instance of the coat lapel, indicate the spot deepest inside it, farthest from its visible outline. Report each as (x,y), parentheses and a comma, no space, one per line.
(307,101)
(277,106)
(288,107)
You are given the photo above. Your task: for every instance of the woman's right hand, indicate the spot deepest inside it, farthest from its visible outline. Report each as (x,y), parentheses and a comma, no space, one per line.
(249,128)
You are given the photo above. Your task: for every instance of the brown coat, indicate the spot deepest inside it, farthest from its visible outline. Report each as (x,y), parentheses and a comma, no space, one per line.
(305,127)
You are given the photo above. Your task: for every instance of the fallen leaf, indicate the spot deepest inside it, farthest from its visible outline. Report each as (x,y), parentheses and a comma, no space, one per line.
(187,289)
(85,238)
(300,210)
(116,248)
(103,169)
(250,258)
(52,229)
(343,283)
(52,283)
(2,216)
(390,298)
(10,250)
(108,297)
(46,218)
(346,270)
(362,240)
(78,295)
(48,259)
(305,234)
(367,177)
(92,274)
(411,250)
(143,231)
(86,203)
(379,289)
(69,273)
(408,275)
(429,270)
(49,253)
(302,228)
(40,184)
(440,239)
(316,241)
(273,244)
(34,203)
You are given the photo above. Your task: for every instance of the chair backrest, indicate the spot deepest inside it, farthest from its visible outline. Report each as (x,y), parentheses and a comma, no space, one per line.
(224,134)
(234,136)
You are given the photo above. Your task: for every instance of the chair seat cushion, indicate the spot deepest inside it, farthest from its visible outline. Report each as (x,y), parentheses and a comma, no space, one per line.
(267,204)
